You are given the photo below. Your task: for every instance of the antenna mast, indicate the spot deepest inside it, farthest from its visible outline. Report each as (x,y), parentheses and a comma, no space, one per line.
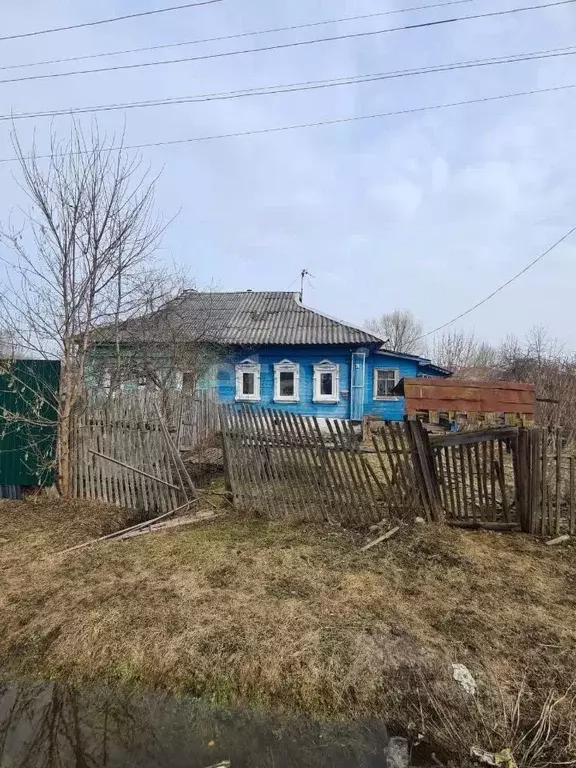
(303,275)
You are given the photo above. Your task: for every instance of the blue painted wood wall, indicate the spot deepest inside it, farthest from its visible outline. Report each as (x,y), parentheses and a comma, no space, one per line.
(307,357)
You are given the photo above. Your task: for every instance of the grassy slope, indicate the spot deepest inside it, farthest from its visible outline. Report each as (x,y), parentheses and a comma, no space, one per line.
(294,617)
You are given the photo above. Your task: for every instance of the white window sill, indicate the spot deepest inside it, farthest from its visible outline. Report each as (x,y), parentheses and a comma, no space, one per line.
(387,399)
(286,400)
(328,402)
(246,399)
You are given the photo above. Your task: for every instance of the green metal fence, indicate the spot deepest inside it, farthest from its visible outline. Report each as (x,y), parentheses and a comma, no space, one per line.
(28,413)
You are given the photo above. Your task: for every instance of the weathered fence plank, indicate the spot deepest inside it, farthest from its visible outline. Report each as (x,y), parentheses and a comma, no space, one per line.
(121,456)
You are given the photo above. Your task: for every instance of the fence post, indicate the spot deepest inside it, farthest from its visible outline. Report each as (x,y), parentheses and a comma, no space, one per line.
(425,470)
(224,435)
(523,477)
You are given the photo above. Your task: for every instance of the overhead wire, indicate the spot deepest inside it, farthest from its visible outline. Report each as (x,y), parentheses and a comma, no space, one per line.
(113,19)
(301,86)
(294,44)
(273,30)
(302,126)
(501,287)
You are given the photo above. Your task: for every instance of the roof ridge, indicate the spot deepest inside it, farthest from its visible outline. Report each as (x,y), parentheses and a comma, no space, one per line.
(337,320)
(249,292)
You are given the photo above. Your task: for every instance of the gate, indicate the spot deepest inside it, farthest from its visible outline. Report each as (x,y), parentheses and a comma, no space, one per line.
(477,476)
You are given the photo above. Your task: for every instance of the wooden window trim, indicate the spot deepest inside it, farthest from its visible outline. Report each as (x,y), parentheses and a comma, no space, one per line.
(286,366)
(247,367)
(384,398)
(326,366)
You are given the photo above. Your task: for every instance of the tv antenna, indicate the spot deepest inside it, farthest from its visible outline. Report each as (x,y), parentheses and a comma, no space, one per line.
(303,275)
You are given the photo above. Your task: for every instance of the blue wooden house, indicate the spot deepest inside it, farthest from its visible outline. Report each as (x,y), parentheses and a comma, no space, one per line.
(268,349)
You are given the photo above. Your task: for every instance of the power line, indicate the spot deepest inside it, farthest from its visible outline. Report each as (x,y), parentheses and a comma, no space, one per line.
(301,126)
(153,12)
(421,25)
(501,287)
(236,36)
(301,86)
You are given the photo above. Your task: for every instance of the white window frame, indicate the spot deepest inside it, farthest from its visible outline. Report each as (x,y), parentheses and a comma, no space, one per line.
(375,394)
(247,366)
(286,366)
(326,366)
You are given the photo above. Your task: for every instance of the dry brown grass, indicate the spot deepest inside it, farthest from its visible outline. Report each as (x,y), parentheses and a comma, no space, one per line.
(296,617)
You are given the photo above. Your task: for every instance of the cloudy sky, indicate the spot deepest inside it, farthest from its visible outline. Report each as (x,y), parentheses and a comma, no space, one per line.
(430,210)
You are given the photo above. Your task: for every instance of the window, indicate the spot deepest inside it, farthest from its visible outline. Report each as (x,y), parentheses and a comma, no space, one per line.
(326,382)
(188,381)
(248,381)
(385,379)
(286,382)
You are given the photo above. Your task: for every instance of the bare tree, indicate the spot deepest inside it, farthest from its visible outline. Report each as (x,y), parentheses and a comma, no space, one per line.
(543,361)
(86,244)
(461,352)
(401,331)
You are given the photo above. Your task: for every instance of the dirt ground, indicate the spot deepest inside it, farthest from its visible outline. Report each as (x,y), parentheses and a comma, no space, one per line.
(297,618)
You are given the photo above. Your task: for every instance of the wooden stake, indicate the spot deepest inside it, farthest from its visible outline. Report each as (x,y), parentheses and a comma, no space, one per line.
(384,537)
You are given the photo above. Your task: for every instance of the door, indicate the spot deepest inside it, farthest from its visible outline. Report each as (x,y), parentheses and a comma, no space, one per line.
(357,378)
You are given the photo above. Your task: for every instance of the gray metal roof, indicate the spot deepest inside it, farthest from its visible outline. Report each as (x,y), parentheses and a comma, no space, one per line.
(244,319)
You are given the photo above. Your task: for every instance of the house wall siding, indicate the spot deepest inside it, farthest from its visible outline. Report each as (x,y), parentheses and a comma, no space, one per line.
(393,408)
(222,375)
(307,357)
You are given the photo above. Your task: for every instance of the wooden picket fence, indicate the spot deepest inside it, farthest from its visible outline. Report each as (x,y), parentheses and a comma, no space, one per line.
(125,454)
(127,451)
(282,464)
(547,483)
(285,465)
(476,474)
(196,419)
(511,477)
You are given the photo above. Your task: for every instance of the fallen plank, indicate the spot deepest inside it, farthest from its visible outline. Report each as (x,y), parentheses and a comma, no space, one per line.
(558,540)
(384,537)
(168,526)
(116,534)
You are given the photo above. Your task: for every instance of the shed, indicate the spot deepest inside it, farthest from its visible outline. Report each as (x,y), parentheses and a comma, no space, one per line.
(460,401)
(28,417)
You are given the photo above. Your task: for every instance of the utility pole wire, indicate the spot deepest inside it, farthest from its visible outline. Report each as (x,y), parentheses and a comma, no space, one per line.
(127,16)
(297,43)
(501,287)
(221,38)
(298,87)
(321,123)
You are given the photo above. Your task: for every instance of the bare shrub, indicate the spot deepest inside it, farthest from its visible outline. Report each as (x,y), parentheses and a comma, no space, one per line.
(537,726)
